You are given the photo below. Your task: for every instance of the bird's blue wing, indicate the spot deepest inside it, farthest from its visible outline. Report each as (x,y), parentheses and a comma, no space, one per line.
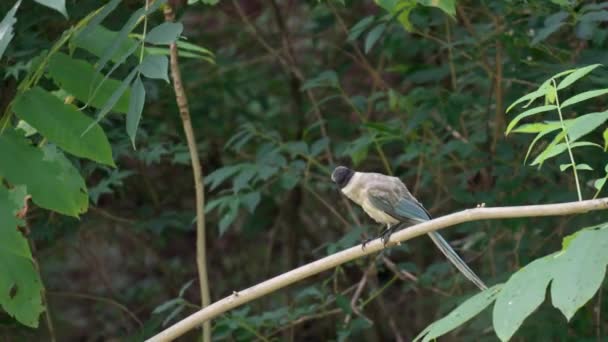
(402,209)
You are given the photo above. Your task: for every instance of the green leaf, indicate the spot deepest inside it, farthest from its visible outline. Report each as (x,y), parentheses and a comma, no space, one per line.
(584,124)
(155,66)
(530,97)
(520,296)
(136,107)
(373,36)
(554,150)
(576,75)
(599,183)
(20,284)
(165,33)
(460,315)
(297,148)
(359,28)
(327,78)
(98,39)
(63,124)
(6,27)
(230,216)
(545,32)
(318,146)
(537,127)
(289,180)
(57,5)
(122,35)
(584,96)
(583,167)
(96,20)
(241,181)
(80,79)
(580,271)
(124,85)
(447,6)
(527,113)
(50,178)
(251,200)
(218,176)
(605,135)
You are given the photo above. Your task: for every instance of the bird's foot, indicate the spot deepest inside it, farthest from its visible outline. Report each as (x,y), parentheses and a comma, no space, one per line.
(365,242)
(386,234)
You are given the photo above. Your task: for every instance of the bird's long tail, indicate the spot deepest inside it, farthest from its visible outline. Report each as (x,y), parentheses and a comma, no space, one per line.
(455,259)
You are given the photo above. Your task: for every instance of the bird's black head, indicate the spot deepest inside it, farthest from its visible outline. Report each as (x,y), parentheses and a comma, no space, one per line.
(342,176)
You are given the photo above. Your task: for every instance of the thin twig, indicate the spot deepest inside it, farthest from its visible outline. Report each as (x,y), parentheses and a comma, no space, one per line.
(184,111)
(110,301)
(334,260)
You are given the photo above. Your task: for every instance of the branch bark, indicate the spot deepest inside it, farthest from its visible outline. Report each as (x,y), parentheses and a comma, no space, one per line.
(184,111)
(241,297)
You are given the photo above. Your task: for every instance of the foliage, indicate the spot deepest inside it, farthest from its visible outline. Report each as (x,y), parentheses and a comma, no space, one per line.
(280,93)
(575,274)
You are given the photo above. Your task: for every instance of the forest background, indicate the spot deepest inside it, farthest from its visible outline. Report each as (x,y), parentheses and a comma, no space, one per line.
(98,205)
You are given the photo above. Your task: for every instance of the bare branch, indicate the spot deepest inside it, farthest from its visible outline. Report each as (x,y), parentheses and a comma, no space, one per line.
(269,286)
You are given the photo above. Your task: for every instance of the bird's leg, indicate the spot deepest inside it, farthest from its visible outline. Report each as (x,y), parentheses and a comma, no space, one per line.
(386,234)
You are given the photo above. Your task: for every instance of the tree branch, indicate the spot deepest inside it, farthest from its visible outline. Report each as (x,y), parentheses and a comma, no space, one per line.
(241,297)
(184,111)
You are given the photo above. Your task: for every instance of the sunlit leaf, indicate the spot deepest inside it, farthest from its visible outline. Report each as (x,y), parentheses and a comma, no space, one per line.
(582,167)
(6,27)
(57,5)
(581,271)
(520,296)
(557,149)
(584,96)
(584,124)
(528,113)
(576,75)
(540,92)
(457,317)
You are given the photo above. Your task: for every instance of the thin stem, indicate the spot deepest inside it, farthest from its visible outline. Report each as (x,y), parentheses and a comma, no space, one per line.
(561,120)
(184,111)
(145,31)
(109,301)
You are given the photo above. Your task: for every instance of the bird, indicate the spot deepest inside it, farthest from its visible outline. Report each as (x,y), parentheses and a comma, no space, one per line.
(388,201)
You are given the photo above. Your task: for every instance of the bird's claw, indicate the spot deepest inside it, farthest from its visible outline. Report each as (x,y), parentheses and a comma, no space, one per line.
(365,242)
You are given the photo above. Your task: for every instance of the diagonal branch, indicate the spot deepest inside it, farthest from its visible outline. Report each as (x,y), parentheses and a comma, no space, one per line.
(329,262)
